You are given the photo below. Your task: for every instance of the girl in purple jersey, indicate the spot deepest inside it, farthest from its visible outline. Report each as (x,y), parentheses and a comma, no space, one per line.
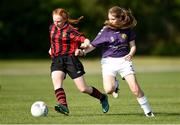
(117,40)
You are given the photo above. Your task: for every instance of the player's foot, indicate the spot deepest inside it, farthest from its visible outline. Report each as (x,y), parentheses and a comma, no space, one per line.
(104,103)
(115,93)
(61,109)
(150,114)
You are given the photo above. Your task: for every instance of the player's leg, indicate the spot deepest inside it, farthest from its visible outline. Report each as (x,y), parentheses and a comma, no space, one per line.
(110,85)
(137,91)
(134,86)
(110,68)
(127,72)
(58,75)
(117,87)
(57,79)
(76,71)
(84,88)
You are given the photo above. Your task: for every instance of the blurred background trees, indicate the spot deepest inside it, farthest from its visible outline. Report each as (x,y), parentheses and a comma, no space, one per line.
(24,24)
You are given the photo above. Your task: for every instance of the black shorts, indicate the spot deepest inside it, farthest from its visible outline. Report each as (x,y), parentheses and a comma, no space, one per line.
(69,65)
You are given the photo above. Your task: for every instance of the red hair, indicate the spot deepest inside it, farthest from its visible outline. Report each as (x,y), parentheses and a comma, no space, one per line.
(64,14)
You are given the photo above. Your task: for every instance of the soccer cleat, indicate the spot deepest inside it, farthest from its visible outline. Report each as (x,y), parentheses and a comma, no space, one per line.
(61,109)
(115,93)
(104,103)
(150,114)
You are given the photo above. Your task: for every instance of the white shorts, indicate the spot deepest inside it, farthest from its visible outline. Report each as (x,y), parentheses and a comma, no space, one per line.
(113,66)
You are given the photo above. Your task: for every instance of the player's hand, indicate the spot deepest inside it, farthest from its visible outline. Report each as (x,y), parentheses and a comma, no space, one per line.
(128,57)
(79,52)
(84,45)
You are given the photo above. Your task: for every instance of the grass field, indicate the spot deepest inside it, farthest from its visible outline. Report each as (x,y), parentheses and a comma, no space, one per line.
(23,82)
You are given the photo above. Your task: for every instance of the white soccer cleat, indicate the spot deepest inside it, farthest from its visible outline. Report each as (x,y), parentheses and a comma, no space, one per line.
(115,95)
(150,114)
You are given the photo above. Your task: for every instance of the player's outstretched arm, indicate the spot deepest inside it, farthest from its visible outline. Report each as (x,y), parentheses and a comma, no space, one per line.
(83,51)
(85,44)
(88,49)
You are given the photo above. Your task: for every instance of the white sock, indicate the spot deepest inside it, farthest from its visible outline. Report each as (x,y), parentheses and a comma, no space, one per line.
(144,104)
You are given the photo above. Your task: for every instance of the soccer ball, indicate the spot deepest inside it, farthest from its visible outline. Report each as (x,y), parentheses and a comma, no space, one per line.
(39,108)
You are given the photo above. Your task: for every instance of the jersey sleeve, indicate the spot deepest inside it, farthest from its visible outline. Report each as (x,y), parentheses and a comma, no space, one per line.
(101,38)
(77,36)
(132,35)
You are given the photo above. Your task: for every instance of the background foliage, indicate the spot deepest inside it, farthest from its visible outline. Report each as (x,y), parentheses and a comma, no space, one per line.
(24,24)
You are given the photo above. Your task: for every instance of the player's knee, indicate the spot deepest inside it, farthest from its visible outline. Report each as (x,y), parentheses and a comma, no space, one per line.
(83,90)
(108,90)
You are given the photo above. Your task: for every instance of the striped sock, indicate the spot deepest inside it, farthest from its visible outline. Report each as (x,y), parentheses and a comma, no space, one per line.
(61,96)
(97,94)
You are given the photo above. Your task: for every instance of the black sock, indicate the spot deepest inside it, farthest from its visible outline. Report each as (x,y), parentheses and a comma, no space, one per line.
(97,94)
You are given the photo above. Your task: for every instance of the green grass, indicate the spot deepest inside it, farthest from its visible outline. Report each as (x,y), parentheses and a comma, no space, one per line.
(24,82)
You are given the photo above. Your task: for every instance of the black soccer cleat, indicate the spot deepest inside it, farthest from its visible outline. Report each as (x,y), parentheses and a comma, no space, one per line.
(104,103)
(61,109)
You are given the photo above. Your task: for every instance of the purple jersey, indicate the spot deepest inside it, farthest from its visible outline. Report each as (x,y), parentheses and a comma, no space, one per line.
(114,43)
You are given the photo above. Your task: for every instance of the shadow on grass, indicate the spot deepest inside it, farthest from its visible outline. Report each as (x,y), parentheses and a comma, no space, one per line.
(167,114)
(119,114)
(141,114)
(101,114)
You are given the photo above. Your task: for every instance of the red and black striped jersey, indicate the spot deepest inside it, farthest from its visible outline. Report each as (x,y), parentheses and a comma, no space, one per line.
(64,41)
